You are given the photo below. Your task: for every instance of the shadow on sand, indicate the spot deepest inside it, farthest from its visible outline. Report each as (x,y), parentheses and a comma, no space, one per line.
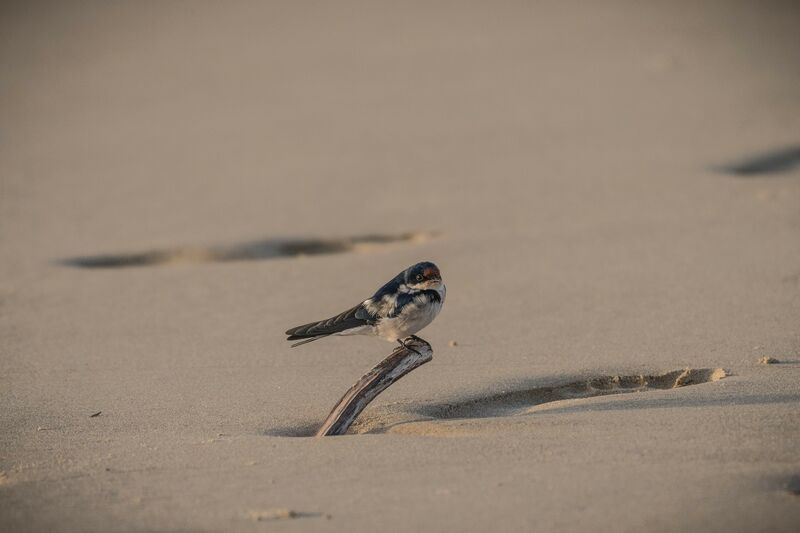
(246,251)
(773,162)
(380,419)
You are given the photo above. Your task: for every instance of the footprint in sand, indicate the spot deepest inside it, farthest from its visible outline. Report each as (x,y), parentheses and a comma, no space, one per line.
(247,251)
(775,162)
(426,419)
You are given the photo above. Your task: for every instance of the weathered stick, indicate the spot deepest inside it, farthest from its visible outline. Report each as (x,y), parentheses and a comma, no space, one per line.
(399,363)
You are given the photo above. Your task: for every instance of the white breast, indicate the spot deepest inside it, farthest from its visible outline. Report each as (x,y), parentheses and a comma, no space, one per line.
(414,317)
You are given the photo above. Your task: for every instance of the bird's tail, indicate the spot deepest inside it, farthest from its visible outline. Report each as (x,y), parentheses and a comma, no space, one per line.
(316,330)
(311,339)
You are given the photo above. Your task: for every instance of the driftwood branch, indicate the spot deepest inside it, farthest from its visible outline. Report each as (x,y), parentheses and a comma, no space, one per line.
(399,363)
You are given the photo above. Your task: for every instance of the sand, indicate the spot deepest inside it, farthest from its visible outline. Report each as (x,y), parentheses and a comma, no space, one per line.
(608,188)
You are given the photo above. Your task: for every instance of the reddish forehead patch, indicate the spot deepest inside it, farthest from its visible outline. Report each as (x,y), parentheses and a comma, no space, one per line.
(431,272)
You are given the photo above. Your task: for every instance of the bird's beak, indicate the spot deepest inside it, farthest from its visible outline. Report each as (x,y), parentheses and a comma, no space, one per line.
(434,283)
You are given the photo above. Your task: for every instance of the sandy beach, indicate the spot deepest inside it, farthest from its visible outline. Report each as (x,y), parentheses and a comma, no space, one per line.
(611,191)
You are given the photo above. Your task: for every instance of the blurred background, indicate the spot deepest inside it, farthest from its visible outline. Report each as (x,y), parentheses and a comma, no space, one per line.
(160,123)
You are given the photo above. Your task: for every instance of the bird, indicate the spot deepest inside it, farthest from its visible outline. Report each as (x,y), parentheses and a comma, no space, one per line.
(397,311)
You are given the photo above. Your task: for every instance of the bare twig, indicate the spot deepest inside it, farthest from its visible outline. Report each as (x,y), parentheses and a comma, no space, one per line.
(399,363)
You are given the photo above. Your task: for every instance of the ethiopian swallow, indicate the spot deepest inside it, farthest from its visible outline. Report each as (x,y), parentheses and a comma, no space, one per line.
(398,310)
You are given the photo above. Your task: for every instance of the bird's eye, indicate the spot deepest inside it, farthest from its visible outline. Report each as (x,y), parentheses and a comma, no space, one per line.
(419,277)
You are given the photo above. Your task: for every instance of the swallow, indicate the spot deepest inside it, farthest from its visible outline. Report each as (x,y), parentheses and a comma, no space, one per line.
(402,307)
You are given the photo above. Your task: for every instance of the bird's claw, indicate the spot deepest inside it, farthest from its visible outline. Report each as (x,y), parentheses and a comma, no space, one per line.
(407,347)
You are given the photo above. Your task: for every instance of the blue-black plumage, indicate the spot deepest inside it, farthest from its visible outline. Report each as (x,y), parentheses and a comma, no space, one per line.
(398,310)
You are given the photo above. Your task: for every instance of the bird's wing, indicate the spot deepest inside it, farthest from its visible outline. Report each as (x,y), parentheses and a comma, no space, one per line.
(352,318)
(391,287)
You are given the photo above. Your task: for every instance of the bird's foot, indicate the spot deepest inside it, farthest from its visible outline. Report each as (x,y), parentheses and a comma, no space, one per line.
(407,347)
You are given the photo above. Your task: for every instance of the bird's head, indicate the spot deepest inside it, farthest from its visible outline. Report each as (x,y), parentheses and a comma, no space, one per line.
(423,276)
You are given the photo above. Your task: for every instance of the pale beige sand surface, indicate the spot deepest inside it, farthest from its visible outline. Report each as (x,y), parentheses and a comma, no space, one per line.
(575,161)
